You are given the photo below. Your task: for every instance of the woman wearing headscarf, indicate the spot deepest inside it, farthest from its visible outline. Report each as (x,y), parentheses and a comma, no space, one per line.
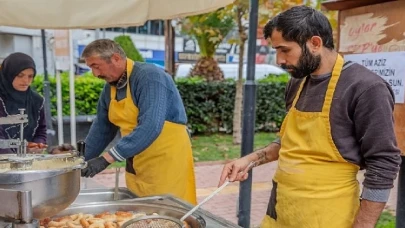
(16,75)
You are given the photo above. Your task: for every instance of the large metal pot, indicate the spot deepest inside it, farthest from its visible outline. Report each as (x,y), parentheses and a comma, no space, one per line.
(52,190)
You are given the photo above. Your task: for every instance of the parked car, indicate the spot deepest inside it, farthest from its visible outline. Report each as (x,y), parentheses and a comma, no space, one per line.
(231,70)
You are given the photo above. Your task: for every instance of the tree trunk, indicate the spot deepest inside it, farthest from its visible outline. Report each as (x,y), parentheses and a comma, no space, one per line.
(237,114)
(238,108)
(208,68)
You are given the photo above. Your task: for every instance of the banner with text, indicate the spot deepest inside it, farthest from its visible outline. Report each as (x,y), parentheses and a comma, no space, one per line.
(388,65)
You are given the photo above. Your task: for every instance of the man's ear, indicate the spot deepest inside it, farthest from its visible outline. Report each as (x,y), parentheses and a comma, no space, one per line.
(115,57)
(315,44)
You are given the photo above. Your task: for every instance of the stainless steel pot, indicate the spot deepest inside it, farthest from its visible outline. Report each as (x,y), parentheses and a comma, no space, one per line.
(52,190)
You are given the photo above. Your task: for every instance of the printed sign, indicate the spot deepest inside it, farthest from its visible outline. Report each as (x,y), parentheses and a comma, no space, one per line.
(388,65)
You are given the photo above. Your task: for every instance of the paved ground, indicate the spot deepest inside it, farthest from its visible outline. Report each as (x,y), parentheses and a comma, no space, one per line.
(225,203)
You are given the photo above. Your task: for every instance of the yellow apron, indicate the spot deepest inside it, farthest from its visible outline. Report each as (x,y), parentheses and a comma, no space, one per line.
(314,187)
(166,166)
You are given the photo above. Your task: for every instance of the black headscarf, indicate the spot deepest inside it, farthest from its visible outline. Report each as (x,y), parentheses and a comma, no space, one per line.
(14,99)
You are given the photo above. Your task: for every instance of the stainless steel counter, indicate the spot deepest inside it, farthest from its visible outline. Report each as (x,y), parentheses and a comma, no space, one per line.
(101,199)
(96,196)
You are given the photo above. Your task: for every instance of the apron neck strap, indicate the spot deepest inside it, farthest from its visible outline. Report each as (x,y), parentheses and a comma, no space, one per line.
(130,66)
(337,69)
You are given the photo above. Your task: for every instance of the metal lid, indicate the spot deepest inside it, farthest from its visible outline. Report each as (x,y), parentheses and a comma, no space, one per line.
(15,169)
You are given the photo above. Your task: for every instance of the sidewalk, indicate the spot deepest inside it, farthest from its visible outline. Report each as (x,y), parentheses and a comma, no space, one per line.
(225,203)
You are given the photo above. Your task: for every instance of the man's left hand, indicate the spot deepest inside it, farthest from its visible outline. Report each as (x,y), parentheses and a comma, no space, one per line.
(95,166)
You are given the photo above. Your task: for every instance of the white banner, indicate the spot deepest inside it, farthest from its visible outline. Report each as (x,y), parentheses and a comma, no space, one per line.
(388,65)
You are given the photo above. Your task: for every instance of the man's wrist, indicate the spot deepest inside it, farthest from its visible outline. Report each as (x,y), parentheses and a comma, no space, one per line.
(265,155)
(115,155)
(368,214)
(108,158)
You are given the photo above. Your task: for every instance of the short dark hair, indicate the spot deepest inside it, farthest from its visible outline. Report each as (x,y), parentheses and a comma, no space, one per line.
(299,24)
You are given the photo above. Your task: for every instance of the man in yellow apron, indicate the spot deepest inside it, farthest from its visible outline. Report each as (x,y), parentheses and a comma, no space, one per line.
(143,103)
(340,119)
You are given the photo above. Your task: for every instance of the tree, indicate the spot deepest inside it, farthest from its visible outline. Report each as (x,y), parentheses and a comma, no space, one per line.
(273,7)
(267,10)
(129,47)
(209,30)
(332,16)
(239,10)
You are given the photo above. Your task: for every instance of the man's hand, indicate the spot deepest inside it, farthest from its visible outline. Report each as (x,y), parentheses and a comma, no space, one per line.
(238,170)
(368,214)
(95,166)
(235,170)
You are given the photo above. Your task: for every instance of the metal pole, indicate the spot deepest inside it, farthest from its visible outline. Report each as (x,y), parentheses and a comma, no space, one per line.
(47,95)
(59,107)
(169,47)
(22,148)
(72,92)
(248,127)
(59,104)
(400,212)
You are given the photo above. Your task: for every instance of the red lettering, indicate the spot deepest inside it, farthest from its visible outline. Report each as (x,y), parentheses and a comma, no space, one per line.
(376,48)
(363,28)
(362,48)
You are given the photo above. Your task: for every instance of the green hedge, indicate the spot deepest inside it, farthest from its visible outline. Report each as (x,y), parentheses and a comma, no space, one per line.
(87,90)
(209,106)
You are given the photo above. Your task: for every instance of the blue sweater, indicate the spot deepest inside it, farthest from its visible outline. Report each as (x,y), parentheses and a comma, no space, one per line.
(158,100)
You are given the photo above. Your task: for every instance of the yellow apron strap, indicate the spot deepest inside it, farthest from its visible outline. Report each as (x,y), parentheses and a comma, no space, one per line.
(113,92)
(130,67)
(337,69)
(297,96)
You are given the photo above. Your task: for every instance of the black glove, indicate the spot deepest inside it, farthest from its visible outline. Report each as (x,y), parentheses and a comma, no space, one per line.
(95,166)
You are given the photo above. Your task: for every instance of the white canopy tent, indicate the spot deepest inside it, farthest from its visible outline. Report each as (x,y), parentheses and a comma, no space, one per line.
(75,14)
(69,14)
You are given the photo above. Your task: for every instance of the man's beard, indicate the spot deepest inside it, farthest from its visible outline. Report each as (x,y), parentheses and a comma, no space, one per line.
(307,64)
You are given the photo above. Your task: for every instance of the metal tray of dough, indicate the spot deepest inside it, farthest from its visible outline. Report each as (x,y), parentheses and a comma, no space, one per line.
(195,221)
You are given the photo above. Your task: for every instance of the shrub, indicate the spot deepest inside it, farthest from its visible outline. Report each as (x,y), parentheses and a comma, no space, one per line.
(87,91)
(129,48)
(209,105)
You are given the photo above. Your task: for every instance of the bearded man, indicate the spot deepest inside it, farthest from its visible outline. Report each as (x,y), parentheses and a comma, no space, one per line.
(339,120)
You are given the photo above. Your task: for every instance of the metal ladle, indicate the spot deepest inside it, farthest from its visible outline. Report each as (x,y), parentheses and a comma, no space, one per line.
(251,165)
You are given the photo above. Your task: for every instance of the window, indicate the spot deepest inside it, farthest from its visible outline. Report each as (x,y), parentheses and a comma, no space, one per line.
(155,27)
